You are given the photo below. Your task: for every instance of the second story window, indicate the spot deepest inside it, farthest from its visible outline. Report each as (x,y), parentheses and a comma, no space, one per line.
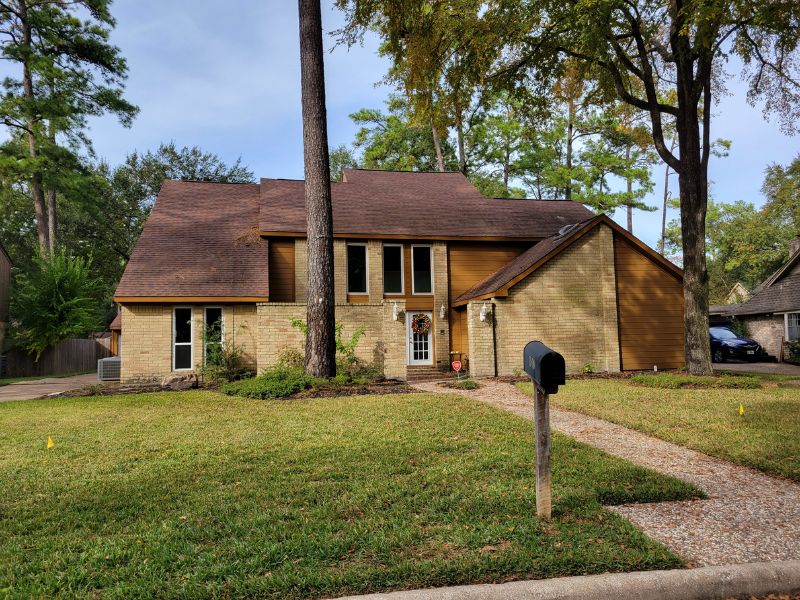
(393,269)
(422,270)
(356,268)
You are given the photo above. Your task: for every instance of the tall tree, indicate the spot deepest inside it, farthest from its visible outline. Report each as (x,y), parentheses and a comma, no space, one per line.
(320,339)
(650,45)
(68,71)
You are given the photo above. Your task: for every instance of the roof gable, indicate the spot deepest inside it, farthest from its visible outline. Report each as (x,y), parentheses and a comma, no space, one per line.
(499,282)
(200,241)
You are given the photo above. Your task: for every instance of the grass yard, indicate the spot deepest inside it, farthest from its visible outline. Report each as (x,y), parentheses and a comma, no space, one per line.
(197,494)
(766,437)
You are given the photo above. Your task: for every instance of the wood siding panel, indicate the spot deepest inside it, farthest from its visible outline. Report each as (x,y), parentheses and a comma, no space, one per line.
(650,304)
(468,264)
(281,270)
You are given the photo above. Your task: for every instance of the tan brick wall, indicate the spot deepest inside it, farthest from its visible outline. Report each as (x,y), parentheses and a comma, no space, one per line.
(481,341)
(441,327)
(340,271)
(383,342)
(300,270)
(569,304)
(375,271)
(147,337)
(767,331)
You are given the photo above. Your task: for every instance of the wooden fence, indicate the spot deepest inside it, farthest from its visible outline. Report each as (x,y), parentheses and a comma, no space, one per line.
(69,356)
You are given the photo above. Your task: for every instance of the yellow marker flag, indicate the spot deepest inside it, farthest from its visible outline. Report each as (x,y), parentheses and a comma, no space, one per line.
(50,443)
(741,409)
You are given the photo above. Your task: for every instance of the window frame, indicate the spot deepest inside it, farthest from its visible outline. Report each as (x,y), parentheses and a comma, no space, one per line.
(205,325)
(191,337)
(402,291)
(414,291)
(788,327)
(366,267)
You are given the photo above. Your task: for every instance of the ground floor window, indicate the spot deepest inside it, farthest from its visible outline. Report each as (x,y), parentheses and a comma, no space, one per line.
(793,327)
(213,332)
(357,268)
(182,339)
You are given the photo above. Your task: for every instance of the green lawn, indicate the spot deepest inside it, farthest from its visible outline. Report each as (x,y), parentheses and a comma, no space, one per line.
(198,494)
(766,437)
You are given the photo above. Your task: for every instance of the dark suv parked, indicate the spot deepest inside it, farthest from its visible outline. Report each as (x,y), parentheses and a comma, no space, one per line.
(725,344)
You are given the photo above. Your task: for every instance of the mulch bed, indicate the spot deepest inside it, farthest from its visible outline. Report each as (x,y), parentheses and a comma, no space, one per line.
(388,386)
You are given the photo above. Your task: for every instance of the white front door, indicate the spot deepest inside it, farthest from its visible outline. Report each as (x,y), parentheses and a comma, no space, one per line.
(419,344)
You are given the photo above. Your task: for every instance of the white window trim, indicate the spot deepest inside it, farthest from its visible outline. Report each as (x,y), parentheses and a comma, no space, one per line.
(786,325)
(191,336)
(402,291)
(366,268)
(413,287)
(222,329)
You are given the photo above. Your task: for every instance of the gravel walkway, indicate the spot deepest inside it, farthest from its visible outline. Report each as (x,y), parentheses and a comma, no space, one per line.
(748,517)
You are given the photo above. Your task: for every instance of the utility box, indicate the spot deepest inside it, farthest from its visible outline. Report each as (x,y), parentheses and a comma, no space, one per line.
(544,366)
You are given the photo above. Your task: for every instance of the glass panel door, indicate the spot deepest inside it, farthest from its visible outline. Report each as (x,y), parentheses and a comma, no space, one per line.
(418,326)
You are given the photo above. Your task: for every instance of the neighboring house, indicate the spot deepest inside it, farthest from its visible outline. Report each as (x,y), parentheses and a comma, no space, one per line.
(431,268)
(5,294)
(772,314)
(738,294)
(116,335)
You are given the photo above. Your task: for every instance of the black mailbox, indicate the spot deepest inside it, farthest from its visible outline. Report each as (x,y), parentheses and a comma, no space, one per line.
(545,366)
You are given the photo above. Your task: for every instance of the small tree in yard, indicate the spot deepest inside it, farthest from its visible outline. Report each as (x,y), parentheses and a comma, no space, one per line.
(56,300)
(320,343)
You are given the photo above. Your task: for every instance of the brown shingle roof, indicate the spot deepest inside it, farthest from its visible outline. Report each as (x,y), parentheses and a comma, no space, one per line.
(539,254)
(199,241)
(419,205)
(780,292)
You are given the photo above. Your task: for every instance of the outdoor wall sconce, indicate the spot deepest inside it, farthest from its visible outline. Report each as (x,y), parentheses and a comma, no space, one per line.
(443,312)
(484,314)
(396,312)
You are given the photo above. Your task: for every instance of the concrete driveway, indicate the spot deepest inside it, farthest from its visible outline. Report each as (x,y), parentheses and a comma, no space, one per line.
(775,368)
(35,388)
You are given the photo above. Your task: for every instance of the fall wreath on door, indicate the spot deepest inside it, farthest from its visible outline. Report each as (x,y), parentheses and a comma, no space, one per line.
(420,324)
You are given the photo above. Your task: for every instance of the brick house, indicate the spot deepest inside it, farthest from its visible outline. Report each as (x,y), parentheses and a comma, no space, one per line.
(772,314)
(489,275)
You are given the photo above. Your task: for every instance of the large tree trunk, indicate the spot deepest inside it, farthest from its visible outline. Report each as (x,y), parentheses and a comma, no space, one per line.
(630,192)
(37,190)
(437,144)
(320,341)
(462,154)
(570,133)
(51,195)
(693,183)
(662,242)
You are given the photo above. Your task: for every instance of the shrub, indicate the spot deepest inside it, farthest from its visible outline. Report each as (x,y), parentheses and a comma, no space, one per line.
(223,361)
(467,384)
(587,369)
(276,382)
(738,327)
(347,362)
(291,358)
(56,300)
(794,351)
(674,382)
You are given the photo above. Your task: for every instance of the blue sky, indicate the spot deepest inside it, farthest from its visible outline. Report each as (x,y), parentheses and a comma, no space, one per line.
(225,76)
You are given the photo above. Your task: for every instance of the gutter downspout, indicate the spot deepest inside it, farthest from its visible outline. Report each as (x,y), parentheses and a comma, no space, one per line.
(494,340)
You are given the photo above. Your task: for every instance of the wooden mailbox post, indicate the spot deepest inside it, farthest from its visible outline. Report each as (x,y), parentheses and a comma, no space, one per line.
(547,371)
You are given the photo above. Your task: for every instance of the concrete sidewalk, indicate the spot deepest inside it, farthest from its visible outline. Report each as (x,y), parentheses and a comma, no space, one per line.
(707,583)
(36,388)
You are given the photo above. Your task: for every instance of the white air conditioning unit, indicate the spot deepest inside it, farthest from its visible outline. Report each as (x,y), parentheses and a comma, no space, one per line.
(108,369)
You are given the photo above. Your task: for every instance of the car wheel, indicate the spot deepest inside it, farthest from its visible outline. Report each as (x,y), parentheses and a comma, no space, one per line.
(718,356)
